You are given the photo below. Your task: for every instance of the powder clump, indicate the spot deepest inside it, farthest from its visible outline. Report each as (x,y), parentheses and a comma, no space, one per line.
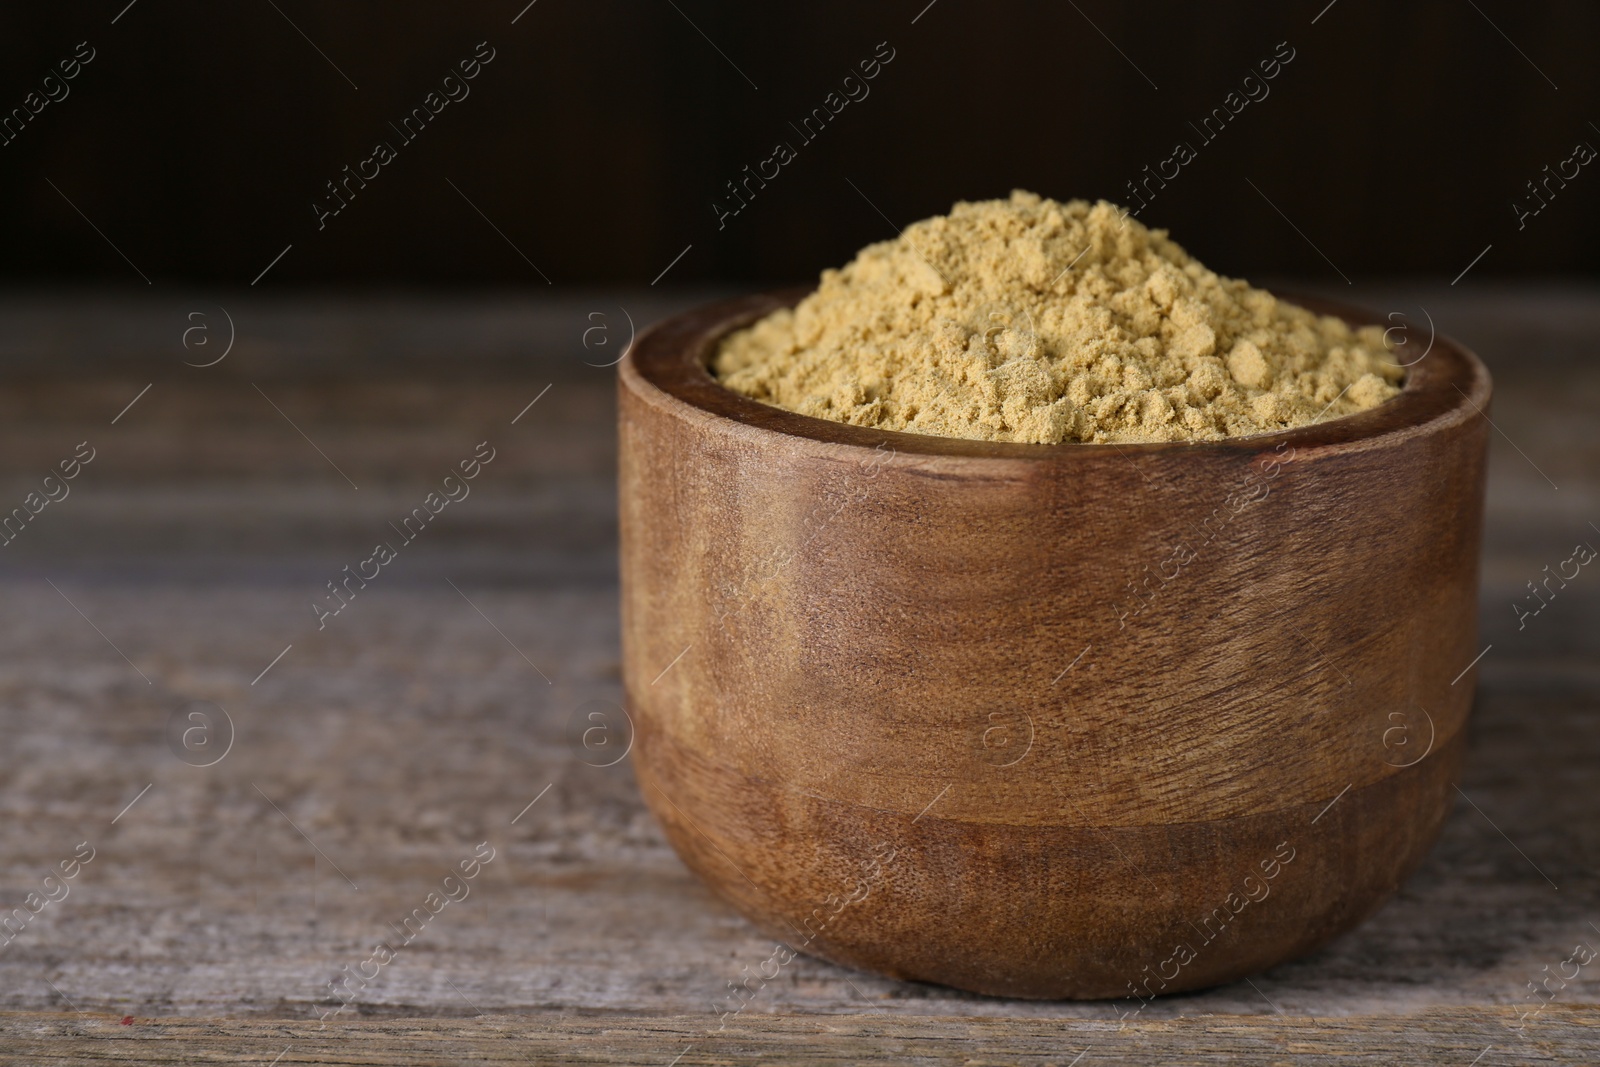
(1036,321)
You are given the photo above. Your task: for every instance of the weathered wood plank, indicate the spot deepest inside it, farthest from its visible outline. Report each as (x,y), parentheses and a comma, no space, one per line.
(1440,1036)
(409,730)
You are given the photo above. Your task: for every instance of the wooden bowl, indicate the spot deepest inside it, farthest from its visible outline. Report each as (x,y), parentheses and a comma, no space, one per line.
(1046,720)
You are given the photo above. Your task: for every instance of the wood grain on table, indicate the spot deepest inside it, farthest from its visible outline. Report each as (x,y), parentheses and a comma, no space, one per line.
(377,753)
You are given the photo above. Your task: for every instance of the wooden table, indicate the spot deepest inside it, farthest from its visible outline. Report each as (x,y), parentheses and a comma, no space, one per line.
(439,710)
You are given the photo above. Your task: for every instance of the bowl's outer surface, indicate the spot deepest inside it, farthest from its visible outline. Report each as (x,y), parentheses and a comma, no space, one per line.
(1046,721)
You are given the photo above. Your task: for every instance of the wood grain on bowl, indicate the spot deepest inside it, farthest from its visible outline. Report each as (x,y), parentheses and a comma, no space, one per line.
(1046,720)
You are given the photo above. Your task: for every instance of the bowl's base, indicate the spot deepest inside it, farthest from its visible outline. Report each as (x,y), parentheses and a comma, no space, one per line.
(1047,912)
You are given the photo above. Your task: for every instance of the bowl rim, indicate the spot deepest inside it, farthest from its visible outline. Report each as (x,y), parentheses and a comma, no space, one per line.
(669,365)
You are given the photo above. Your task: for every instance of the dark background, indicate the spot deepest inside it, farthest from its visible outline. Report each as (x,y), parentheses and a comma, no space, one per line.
(597,139)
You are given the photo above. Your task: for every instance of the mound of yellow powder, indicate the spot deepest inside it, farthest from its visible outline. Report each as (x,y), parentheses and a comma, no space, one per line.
(1036,321)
